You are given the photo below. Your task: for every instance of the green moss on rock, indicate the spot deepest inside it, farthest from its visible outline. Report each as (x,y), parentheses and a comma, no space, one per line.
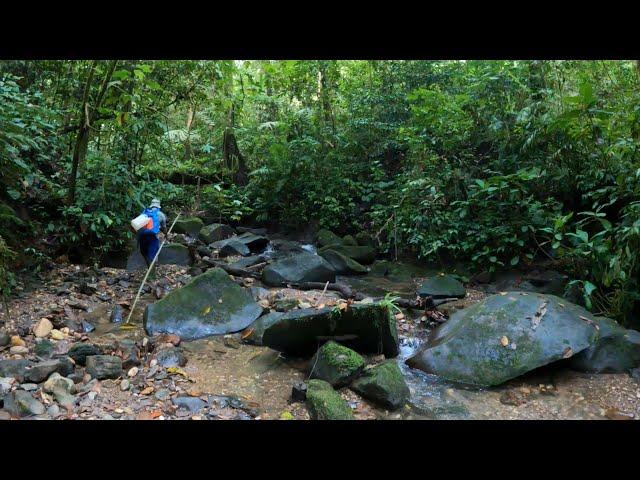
(189,225)
(327,237)
(325,403)
(342,264)
(361,254)
(336,364)
(383,385)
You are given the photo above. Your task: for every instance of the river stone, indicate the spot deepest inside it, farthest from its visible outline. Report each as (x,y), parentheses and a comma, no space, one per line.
(231,247)
(336,364)
(5,339)
(41,371)
(80,351)
(44,348)
(325,403)
(361,254)
(214,232)
(21,403)
(171,254)
(366,328)
(61,389)
(247,262)
(303,267)
(504,336)
(16,368)
(170,357)
(255,243)
(104,366)
(342,265)
(616,350)
(211,304)
(442,286)
(189,225)
(193,404)
(255,331)
(327,237)
(384,385)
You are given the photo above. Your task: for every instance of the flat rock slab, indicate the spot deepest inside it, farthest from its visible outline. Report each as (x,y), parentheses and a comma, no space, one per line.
(302,267)
(231,247)
(211,304)
(368,328)
(215,232)
(442,286)
(504,336)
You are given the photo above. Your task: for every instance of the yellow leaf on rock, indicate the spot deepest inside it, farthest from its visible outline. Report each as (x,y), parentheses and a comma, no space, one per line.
(286,416)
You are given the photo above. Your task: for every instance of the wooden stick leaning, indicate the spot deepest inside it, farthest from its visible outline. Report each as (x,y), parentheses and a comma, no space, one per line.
(149,270)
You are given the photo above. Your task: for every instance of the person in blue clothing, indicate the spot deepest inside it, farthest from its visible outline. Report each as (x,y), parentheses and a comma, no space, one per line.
(148,241)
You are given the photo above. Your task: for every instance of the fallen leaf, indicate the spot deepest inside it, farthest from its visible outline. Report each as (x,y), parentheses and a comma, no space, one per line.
(246,333)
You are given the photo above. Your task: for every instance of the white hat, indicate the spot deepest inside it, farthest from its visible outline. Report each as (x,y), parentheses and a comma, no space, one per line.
(155,203)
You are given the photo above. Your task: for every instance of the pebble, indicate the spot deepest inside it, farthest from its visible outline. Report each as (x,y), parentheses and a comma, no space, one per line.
(125,384)
(56,334)
(29,387)
(132,372)
(18,350)
(16,341)
(43,328)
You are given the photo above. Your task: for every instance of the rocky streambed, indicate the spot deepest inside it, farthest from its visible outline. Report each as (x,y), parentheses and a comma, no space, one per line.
(243,325)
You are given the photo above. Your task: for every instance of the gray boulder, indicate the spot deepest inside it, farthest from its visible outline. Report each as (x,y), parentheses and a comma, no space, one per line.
(504,336)
(302,267)
(383,385)
(104,366)
(215,232)
(189,225)
(211,304)
(231,247)
(442,286)
(327,237)
(21,403)
(341,264)
(361,254)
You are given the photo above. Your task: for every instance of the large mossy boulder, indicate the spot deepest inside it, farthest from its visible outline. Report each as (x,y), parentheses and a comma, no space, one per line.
(504,336)
(215,232)
(341,264)
(302,267)
(211,304)
(366,328)
(442,286)
(336,364)
(189,225)
(349,240)
(616,350)
(361,254)
(327,237)
(383,385)
(325,403)
(171,254)
(231,247)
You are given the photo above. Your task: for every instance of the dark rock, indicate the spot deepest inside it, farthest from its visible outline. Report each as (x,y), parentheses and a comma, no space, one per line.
(86,326)
(325,403)
(303,267)
(361,254)
(21,403)
(80,351)
(16,368)
(211,304)
(365,240)
(44,348)
(366,328)
(255,231)
(5,339)
(336,364)
(248,261)
(214,232)
(259,293)
(170,357)
(285,304)
(442,286)
(482,277)
(616,350)
(504,336)
(255,243)
(130,354)
(383,385)
(116,314)
(635,373)
(327,237)
(195,271)
(189,225)
(104,366)
(193,404)
(255,331)
(348,240)
(231,247)
(299,392)
(342,264)
(41,371)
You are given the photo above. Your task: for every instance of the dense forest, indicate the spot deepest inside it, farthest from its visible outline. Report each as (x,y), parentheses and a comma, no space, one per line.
(496,164)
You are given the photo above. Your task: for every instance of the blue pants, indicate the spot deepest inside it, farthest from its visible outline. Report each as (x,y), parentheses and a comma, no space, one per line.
(149,246)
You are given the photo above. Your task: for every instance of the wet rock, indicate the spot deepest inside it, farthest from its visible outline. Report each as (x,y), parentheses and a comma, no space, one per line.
(215,232)
(303,267)
(255,243)
(116,314)
(505,336)
(231,247)
(16,368)
(211,304)
(42,328)
(361,254)
(170,357)
(327,237)
(80,351)
(104,366)
(366,328)
(5,339)
(342,264)
(616,350)
(21,403)
(336,364)
(442,286)
(299,392)
(255,231)
(193,404)
(189,225)
(383,385)
(253,334)
(325,403)
(61,389)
